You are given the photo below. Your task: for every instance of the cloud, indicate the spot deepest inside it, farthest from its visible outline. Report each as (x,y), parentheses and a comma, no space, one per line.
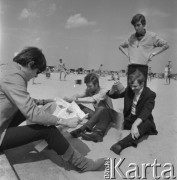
(78,21)
(38,8)
(153,12)
(42,7)
(27,14)
(37,39)
(33,41)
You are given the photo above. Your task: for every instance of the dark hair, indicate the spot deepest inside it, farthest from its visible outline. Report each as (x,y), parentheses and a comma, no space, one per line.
(136,76)
(91,77)
(30,54)
(138,17)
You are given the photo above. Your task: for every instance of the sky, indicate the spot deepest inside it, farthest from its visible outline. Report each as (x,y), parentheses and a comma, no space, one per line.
(84,33)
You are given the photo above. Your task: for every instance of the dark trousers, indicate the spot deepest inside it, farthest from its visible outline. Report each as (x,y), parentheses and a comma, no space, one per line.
(143,68)
(20,135)
(98,119)
(145,128)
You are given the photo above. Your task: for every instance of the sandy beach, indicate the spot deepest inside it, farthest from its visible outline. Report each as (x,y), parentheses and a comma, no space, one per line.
(46,165)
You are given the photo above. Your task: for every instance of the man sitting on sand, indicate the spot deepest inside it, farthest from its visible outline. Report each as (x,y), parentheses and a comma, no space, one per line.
(139,102)
(94,129)
(17,106)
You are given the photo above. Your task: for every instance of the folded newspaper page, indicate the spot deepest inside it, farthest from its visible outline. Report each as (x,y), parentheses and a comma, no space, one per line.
(68,110)
(63,110)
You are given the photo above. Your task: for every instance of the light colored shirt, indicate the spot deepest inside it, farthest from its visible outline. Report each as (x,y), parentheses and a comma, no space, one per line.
(61,66)
(14,97)
(139,51)
(135,101)
(100,97)
(166,71)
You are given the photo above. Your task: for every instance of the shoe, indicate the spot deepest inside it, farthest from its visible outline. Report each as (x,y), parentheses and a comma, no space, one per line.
(116,148)
(76,133)
(82,163)
(95,137)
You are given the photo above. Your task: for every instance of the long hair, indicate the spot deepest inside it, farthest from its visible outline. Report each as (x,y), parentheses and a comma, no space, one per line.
(91,77)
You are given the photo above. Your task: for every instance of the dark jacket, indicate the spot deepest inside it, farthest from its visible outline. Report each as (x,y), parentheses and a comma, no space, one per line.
(144,106)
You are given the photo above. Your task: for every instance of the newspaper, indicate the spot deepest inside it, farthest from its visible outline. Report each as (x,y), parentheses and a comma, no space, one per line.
(67,110)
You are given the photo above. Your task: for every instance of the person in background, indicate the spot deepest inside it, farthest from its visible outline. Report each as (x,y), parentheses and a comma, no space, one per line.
(168,69)
(100,70)
(48,72)
(62,69)
(150,74)
(139,102)
(17,106)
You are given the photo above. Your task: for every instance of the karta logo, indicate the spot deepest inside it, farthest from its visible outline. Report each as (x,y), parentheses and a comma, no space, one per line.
(113,170)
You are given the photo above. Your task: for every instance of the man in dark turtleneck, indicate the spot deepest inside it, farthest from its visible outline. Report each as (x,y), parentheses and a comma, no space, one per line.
(141,46)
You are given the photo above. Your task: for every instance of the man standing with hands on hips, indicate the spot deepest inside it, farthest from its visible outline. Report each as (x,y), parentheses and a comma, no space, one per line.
(141,45)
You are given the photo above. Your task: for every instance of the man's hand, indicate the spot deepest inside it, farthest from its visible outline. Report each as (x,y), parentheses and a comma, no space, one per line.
(83,121)
(113,88)
(150,58)
(121,48)
(117,87)
(135,132)
(71,122)
(70,100)
(48,101)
